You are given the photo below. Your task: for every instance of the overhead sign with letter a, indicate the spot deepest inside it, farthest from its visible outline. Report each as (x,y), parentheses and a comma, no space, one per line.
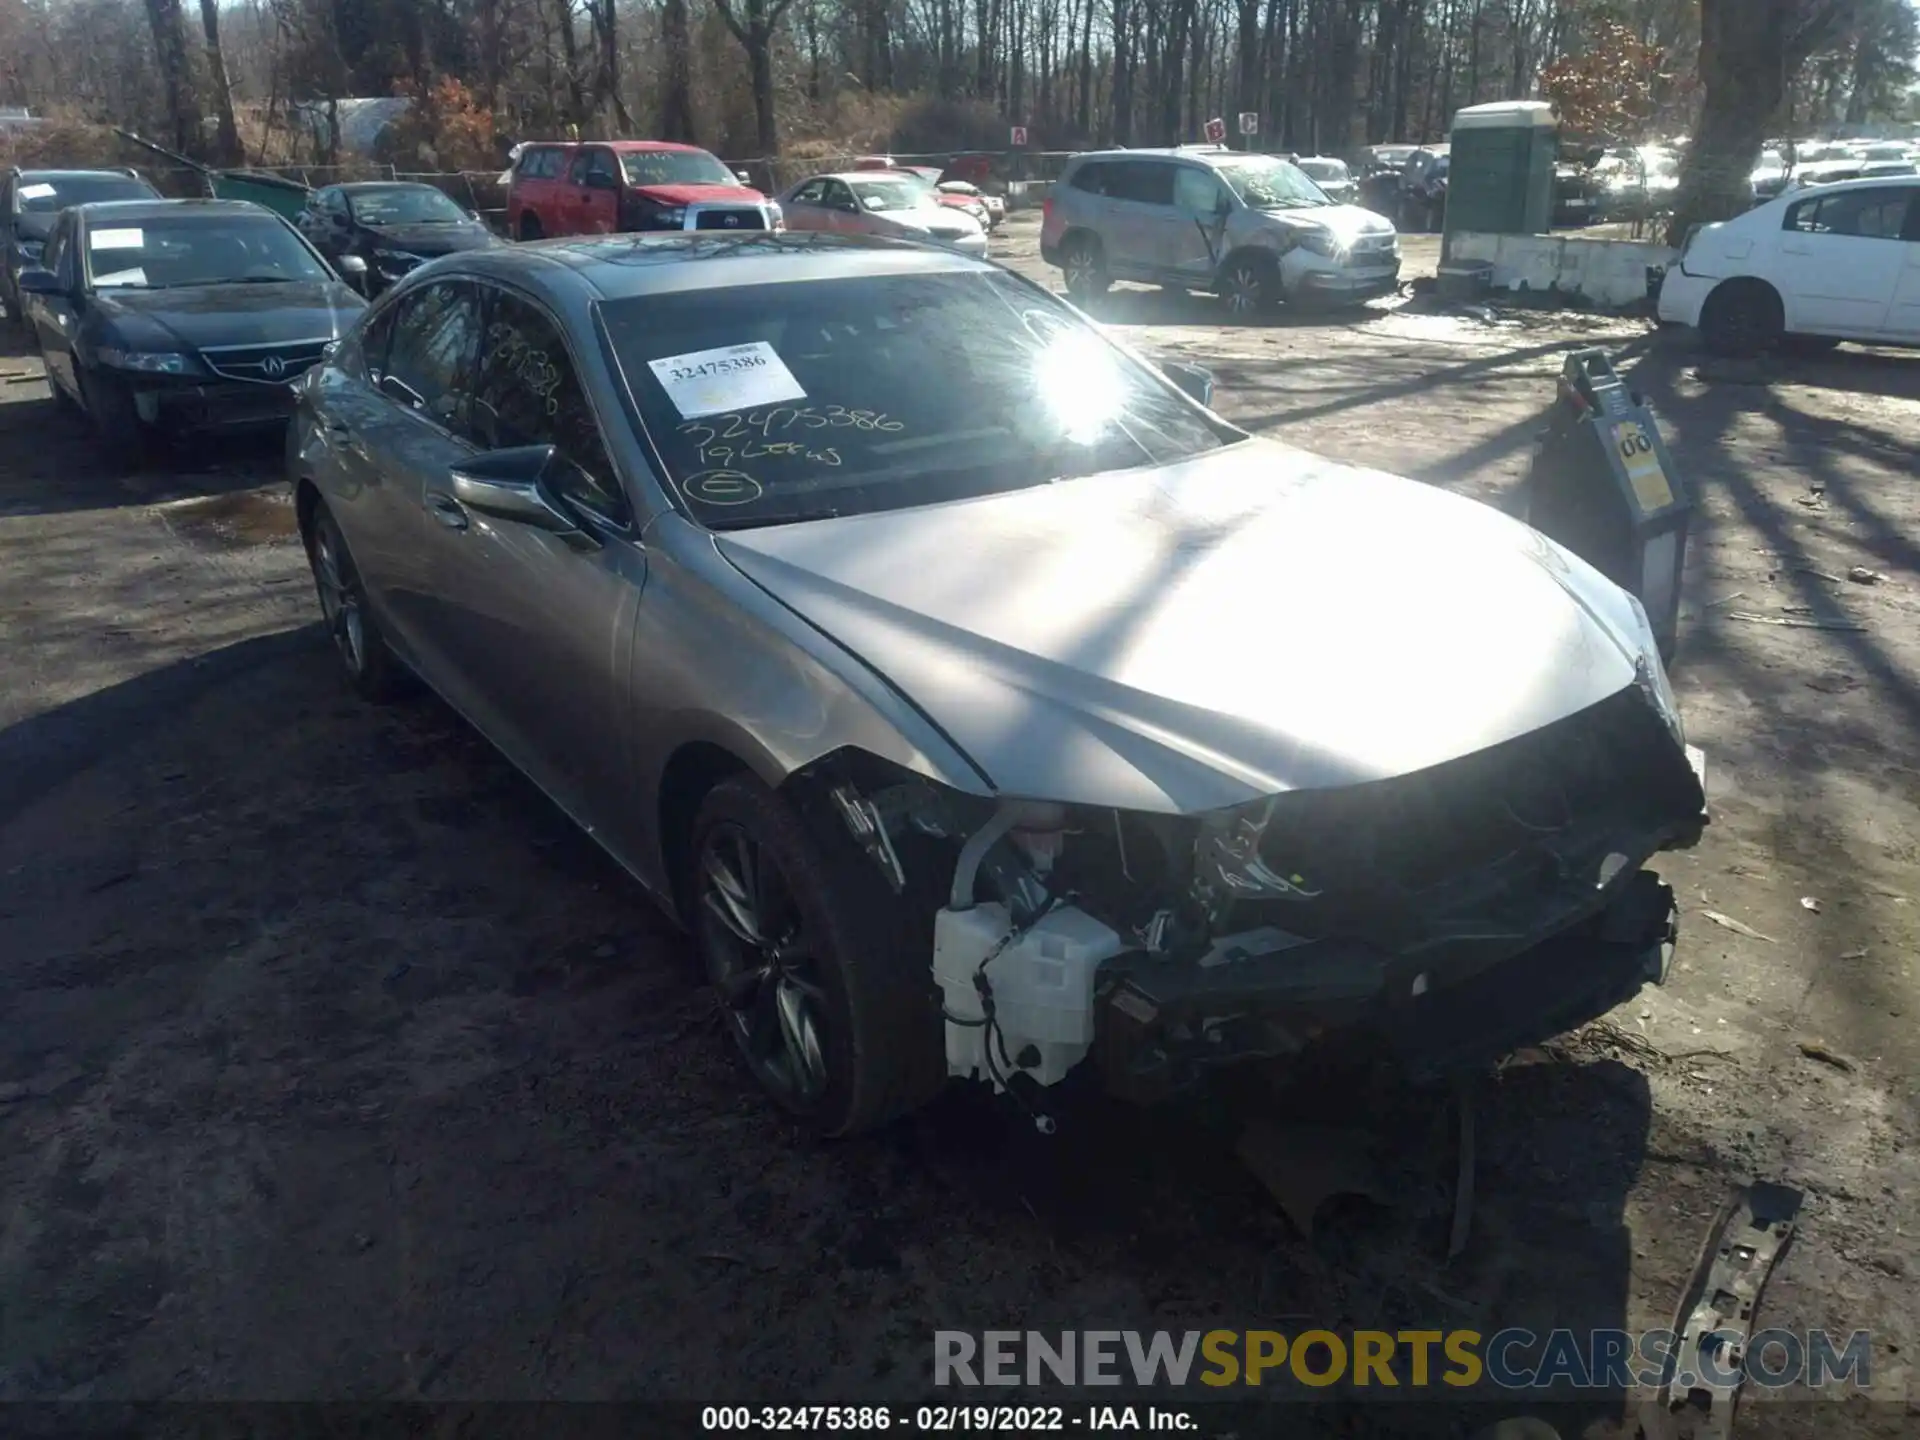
(1019,135)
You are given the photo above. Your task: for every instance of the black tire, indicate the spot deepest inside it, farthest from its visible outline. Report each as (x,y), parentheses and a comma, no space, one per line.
(530,227)
(1742,317)
(828,998)
(63,403)
(110,410)
(1083,266)
(1250,286)
(371,669)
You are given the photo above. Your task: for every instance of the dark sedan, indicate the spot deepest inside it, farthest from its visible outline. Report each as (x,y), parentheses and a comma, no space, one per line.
(377,231)
(29,201)
(167,317)
(876,611)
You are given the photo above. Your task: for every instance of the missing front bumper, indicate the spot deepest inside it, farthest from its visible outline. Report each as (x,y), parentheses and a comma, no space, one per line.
(1160,1027)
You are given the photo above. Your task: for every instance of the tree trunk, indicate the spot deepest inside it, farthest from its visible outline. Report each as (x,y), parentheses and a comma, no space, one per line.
(676,98)
(176,74)
(1750,50)
(229,152)
(613,109)
(570,58)
(754,23)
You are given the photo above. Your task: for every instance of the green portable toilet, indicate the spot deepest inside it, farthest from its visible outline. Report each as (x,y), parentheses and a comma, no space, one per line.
(1500,168)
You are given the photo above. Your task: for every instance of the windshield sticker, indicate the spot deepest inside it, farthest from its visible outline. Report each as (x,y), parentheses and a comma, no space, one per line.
(117,239)
(724,487)
(733,377)
(135,276)
(35,192)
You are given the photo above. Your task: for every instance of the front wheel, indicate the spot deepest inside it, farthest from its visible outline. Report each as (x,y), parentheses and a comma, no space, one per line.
(827,993)
(1249,287)
(115,419)
(530,227)
(1743,318)
(370,666)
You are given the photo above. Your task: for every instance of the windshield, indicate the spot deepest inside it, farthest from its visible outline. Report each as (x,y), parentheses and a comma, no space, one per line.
(674,167)
(412,205)
(774,403)
(169,251)
(892,194)
(40,196)
(1330,172)
(1269,184)
(1887,152)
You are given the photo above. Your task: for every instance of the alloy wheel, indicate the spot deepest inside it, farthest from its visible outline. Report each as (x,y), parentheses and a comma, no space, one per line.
(1244,291)
(339,600)
(763,965)
(1080,268)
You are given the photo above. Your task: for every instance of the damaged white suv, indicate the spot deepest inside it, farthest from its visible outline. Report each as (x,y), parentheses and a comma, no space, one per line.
(985,705)
(1255,229)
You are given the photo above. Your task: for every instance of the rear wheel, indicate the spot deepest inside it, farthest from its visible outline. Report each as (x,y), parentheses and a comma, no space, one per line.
(530,227)
(829,1000)
(1083,265)
(1743,317)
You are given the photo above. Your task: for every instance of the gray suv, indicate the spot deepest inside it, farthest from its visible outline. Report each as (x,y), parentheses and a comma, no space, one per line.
(1252,228)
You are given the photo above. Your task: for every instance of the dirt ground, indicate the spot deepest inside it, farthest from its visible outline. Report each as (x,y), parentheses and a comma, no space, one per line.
(334,1065)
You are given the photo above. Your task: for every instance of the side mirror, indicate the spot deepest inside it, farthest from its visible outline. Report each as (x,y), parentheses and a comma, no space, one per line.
(353,270)
(1194,381)
(36,280)
(743,177)
(509,485)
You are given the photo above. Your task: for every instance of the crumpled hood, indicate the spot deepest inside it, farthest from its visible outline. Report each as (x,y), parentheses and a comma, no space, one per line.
(1183,638)
(1347,222)
(698,194)
(435,239)
(217,315)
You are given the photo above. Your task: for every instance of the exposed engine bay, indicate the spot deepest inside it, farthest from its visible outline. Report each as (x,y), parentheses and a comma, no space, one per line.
(1454,913)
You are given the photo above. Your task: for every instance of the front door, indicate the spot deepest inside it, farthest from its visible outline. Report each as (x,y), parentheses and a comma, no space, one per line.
(1903,319)
(594,192)
(55,319)
(540,627)
(1840,258)
(1196,246)
(420,358)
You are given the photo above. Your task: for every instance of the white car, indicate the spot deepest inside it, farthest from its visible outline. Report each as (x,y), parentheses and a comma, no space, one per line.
(1840,262)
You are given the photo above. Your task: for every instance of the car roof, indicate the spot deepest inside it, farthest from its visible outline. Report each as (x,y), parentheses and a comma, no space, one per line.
(34,172)
(119,210)
(1205,154)
(897,172)
(622,267)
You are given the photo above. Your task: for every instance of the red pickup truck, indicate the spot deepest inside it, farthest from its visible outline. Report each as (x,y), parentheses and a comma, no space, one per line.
(604,187)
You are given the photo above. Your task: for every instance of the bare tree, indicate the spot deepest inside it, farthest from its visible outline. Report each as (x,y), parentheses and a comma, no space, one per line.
(754,24)
(228,141)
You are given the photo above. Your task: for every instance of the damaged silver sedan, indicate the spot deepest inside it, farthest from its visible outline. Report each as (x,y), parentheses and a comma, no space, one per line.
(984,705)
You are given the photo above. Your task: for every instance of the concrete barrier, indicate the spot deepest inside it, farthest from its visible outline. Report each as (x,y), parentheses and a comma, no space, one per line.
(1603,272)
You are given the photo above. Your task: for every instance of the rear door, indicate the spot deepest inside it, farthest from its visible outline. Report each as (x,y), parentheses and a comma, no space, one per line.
(1140,220)
(1194,247)
(1903,319)
(540,627)
(1840,258)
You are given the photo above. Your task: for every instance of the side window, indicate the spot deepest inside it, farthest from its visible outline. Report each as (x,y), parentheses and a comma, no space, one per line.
(577,172)
(600,162)
(526,392)
(336,205)
(1911,232)
(1196,191)
(428,358)
(838,194)
(1146,182)
(1866,214)
(1091,179)
(811,193)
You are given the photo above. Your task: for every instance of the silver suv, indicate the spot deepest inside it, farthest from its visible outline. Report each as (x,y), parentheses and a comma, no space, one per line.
(1252,228)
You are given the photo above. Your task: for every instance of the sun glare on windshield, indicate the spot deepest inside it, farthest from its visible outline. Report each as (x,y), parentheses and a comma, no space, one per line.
(1081,387)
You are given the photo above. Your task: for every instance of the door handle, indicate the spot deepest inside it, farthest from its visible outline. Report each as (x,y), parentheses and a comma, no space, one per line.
(447,510)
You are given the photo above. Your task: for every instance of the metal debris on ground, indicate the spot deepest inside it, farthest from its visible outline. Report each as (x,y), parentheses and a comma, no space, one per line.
(1826,1055)
(1809,902)
(1793,622)
(1739,927)
(1817,573)
(1715,1316)
(1861,575)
